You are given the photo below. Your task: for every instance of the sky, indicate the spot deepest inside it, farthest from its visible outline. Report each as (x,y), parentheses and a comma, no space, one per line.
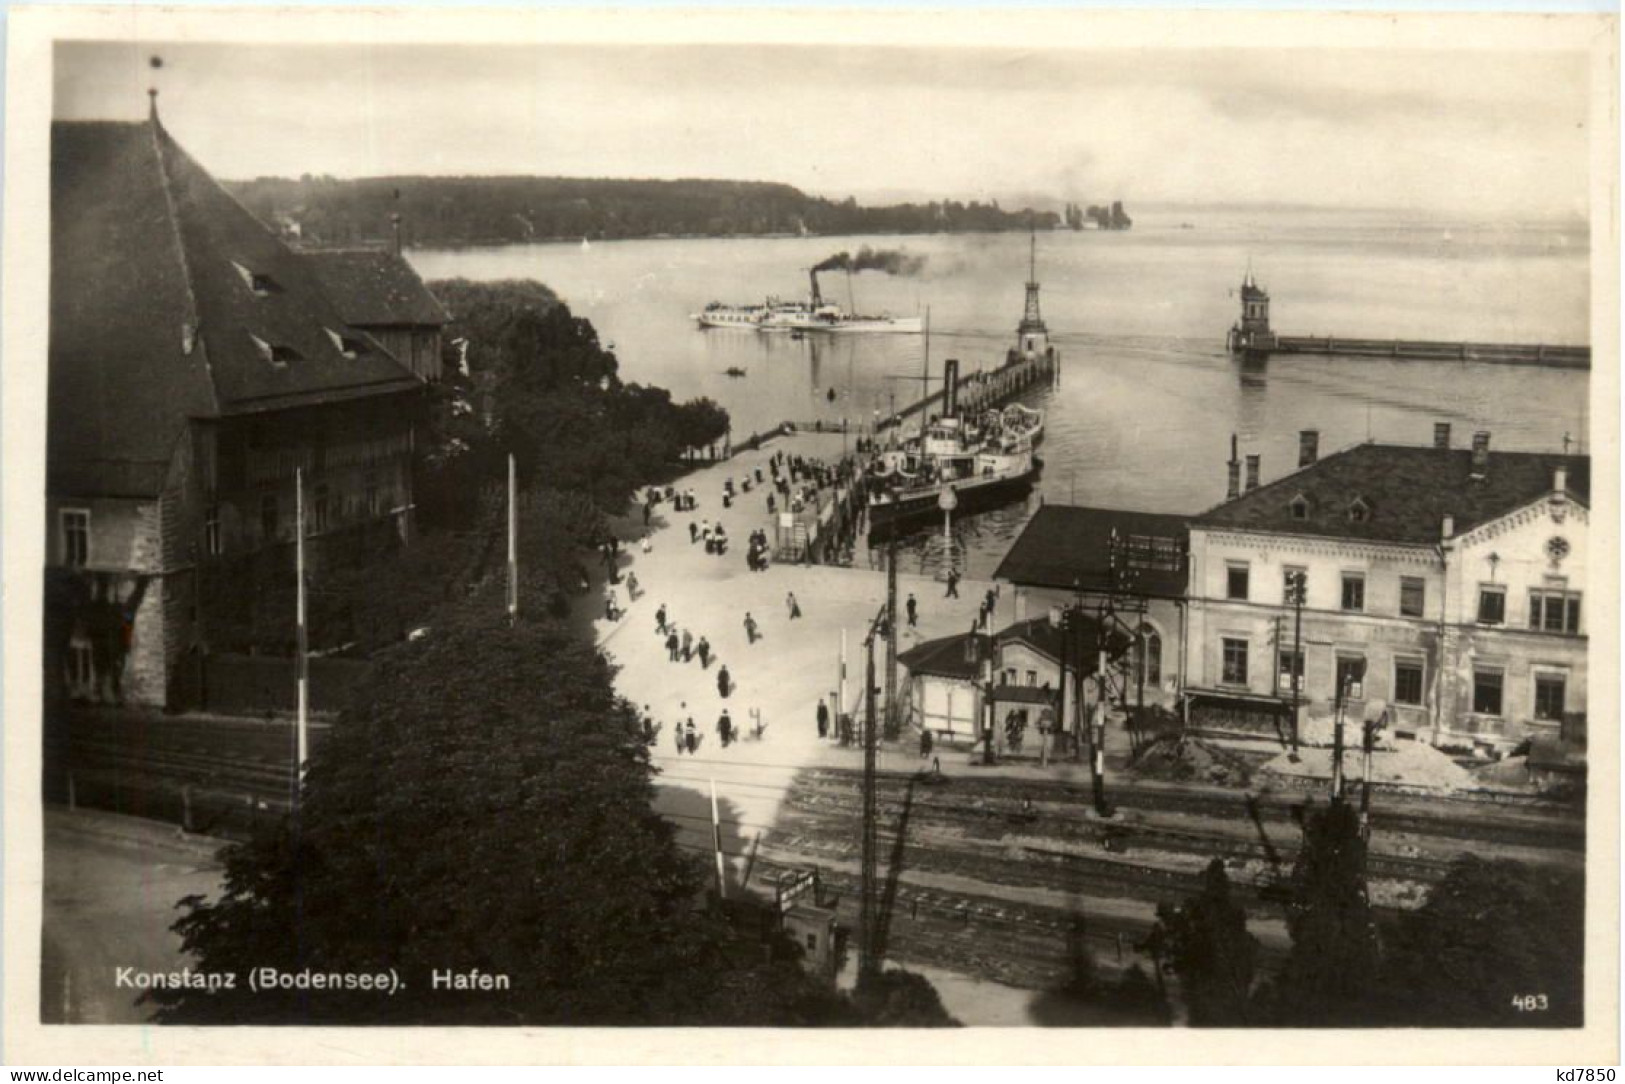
(1497,133)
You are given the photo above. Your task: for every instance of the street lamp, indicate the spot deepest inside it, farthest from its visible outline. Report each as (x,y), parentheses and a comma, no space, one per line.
(947,501)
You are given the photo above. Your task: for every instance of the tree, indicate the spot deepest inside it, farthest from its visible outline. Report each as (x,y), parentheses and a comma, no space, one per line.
(1205,942)
(1498,944)
(485,805)
(1330,974)
(897,998)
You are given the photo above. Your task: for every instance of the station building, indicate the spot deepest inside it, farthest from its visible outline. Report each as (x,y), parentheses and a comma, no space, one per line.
(1442,586)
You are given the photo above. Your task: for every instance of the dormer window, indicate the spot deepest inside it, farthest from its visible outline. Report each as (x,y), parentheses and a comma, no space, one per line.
(347,345)
(261,284)
(1300,507)
(1359,510)
(277,354)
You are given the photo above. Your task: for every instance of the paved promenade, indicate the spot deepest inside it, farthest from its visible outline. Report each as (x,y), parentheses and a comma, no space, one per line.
(782,674)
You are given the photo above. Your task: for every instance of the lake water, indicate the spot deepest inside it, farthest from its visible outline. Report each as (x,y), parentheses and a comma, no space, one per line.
(1148,396)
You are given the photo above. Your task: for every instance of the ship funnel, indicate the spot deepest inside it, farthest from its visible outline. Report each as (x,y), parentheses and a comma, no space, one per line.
(950,387)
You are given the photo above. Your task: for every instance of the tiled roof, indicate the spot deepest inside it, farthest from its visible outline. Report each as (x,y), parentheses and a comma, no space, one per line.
(155,317)
(1068,547)
(1405,493)
(375,288)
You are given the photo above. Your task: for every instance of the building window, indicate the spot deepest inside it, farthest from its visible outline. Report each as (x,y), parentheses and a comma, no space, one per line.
(1032,678)
(1353,591)
(1350,677)
(270,524)
(1289,674)
(261,284)
(211,530)
(1300,508)
(1359,511)
(1486,692)
(81,667)
(277,354)
(1150,655)
(75,537)
(1235,662)
(1492,605)
(1294,586)
(1549,690)
(348,346)
(1554,611)
(1412,596)
(318,509)
(1407,682)
(1235,584)
(1008,677)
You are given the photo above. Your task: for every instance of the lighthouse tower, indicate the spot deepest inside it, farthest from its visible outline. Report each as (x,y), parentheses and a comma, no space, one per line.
(1031,335)
(1253,332)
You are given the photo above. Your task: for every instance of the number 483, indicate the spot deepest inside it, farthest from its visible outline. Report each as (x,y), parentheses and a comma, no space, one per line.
(1529,1002)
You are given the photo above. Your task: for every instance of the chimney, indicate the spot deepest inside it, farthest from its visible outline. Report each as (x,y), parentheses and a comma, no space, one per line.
(1308,446)
(1481,454)
(1233,489)
(1252,472)
(1055,617)
(1448,527)
(1560,483)
(1441,434)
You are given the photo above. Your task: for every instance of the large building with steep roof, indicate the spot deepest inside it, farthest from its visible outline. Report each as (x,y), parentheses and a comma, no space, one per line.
(195,363)
(1442,586)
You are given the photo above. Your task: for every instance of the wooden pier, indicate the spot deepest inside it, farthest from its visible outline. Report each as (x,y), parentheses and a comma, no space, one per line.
(986,389)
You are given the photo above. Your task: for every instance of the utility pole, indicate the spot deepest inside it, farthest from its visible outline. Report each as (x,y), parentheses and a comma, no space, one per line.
(1337,739)
(513,542)
(1369,742)
(868,965)
(893,724)
(1296,580)
(716,844)
(302,635)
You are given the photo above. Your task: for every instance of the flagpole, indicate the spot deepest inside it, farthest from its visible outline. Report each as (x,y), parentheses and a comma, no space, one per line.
(513,542)
(303,636)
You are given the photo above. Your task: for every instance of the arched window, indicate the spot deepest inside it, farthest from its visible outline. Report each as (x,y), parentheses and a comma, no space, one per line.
(1148,656)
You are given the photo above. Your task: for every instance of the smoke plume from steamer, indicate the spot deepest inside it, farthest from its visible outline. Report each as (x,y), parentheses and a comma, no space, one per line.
(890,260)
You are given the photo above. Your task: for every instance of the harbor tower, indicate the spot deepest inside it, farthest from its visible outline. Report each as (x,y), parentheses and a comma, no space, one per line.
(1253,332)
(1031,332)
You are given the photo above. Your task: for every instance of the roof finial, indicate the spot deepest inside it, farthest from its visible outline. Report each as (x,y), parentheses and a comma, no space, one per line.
(155,63)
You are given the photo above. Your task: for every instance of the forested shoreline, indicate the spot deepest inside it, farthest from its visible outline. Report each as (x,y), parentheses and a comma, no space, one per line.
(457,211)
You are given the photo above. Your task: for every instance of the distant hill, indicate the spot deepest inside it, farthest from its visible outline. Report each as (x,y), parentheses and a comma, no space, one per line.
(442,211)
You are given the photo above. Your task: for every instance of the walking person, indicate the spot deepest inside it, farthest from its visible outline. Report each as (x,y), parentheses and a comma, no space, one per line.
(703,649)
(688,645)
(673,645)
(660,619)
(692,737)
(913,612)
(795,607)
(725,682)
(823,718)
(926,741)
(752,631)
(725,729)
(693,532)
(953,584)
(631,587)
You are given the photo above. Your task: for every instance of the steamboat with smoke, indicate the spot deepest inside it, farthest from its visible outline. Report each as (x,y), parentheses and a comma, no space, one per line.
(818,313)
(985,462)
